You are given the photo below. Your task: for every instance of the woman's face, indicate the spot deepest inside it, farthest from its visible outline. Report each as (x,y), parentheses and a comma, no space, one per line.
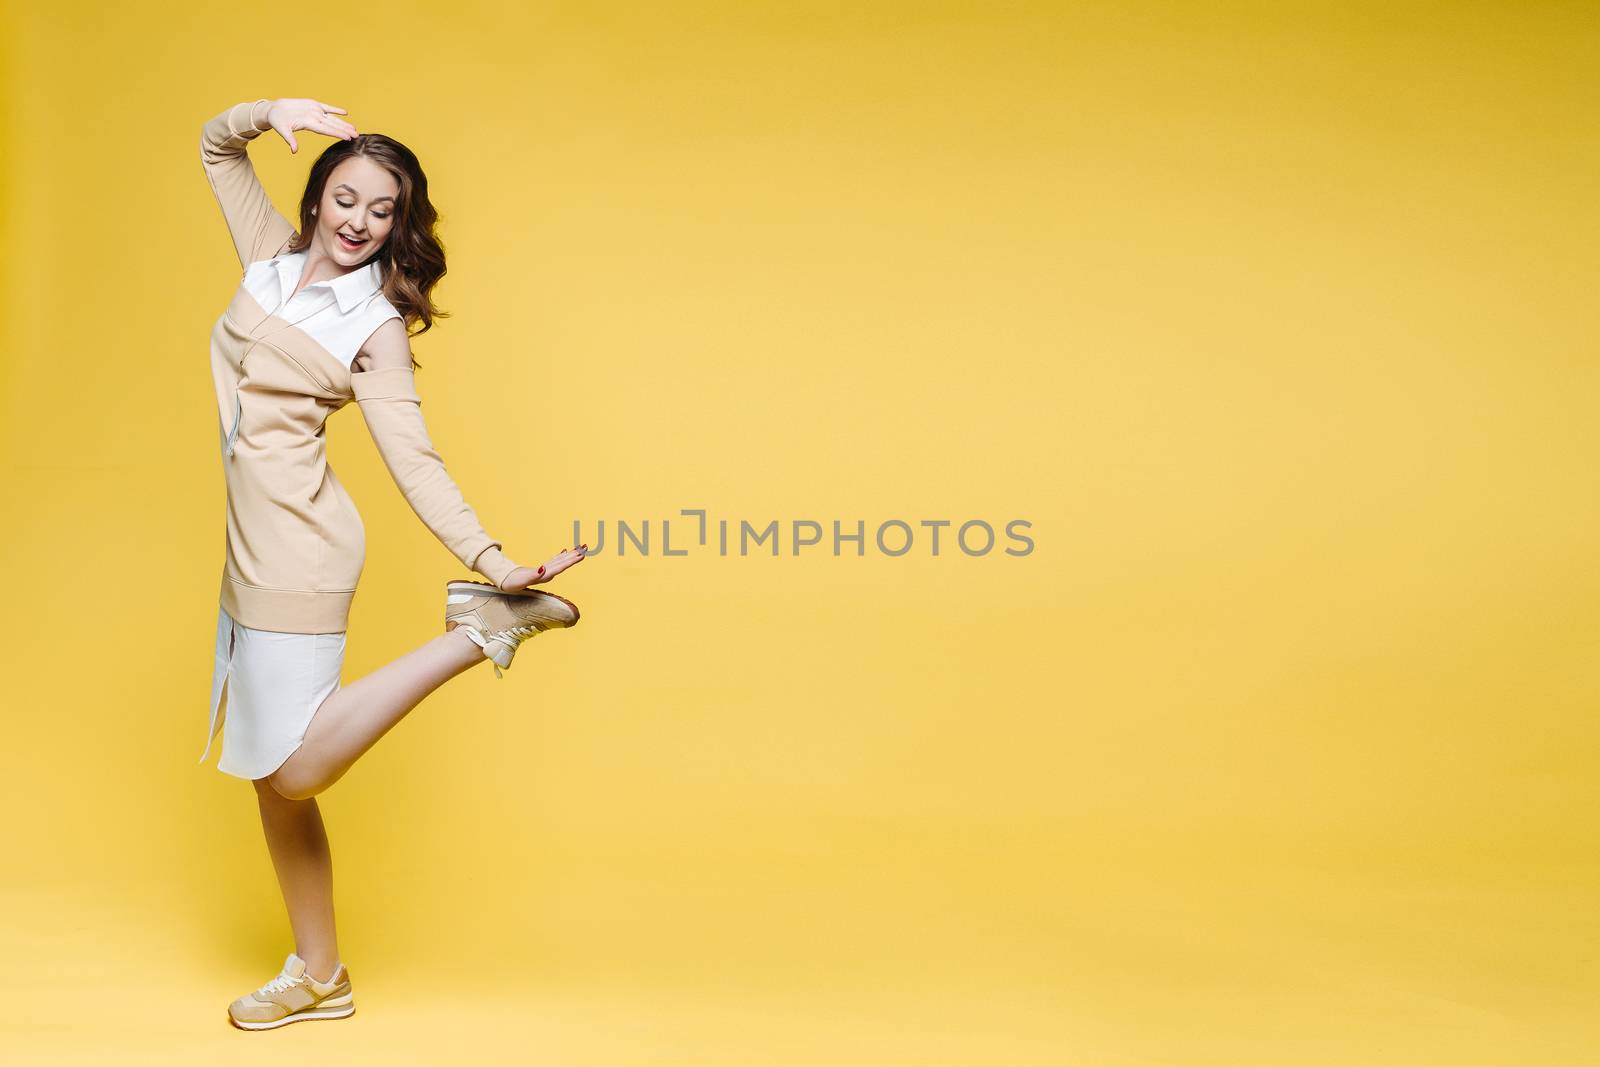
(358,206)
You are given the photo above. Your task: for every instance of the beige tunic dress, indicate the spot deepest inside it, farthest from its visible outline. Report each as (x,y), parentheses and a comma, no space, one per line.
(295,545)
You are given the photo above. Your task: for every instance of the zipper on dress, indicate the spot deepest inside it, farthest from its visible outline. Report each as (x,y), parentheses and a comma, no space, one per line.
(233,434)
(238,409)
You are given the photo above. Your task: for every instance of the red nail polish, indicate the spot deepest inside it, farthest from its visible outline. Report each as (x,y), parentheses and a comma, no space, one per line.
(541,570)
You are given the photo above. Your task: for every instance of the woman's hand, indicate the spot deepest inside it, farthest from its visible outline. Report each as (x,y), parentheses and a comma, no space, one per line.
(294,113)
(523,577)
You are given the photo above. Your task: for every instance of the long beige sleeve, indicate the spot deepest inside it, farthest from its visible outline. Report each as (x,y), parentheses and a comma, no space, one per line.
(393,411)
(259,231)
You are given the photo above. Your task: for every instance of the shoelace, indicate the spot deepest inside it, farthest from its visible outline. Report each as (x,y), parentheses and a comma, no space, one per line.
(279,984)
(513,637)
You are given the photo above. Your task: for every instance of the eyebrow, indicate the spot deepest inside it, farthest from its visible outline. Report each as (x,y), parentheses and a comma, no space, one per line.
(342,185)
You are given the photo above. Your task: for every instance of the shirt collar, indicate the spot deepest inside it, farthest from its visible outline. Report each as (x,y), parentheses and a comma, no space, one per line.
(349,289)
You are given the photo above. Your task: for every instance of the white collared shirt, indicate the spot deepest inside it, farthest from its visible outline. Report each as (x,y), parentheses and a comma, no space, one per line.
(339,314)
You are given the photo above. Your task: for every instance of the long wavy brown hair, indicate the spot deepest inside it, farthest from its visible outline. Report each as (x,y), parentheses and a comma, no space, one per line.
(413,256)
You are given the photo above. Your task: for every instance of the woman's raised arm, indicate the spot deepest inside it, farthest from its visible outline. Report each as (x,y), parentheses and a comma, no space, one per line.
(258,230)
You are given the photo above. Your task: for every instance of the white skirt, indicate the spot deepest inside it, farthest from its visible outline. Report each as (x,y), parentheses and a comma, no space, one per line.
(267,686)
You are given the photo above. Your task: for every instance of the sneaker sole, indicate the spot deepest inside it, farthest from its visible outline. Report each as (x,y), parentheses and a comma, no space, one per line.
(326,1010)
(484,589)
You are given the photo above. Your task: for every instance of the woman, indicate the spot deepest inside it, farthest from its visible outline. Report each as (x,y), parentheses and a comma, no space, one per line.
(321,317)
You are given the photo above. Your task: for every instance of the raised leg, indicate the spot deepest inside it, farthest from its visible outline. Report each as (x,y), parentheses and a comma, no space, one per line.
(351,720)
(300,854)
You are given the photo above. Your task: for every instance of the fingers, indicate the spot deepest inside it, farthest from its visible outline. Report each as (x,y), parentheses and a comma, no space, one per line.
(324,120)
(568,557)
(341,128)
(327,123)
(333,128)
(340,123)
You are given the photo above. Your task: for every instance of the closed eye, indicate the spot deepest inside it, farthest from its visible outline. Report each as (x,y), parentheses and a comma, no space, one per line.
(375,214)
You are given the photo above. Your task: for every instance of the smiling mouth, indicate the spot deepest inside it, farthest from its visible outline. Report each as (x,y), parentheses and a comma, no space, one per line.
(350,244)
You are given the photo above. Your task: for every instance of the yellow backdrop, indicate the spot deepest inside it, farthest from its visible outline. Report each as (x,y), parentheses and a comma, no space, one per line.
(1276,324)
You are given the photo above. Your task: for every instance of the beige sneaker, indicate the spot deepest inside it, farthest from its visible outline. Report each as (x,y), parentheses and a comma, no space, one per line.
(292,996)
(498,622)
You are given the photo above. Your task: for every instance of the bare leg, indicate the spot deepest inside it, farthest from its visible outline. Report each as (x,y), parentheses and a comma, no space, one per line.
(299,846)
(351,720)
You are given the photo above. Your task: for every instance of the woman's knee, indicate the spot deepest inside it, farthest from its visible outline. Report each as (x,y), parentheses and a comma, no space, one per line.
(285,784)
(265,790)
